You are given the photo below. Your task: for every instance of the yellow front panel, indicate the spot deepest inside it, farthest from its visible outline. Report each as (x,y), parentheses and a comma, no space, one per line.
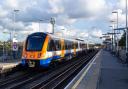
(36,54)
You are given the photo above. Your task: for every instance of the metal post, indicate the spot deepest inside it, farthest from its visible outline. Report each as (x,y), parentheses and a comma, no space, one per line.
(117,36)
(126,36)
(14,23)
(113,22)
(117,20)
(63,33)
(14,19)
(53,23)
(39,24)
(117,46)
(14,34)
(111,39)
(114,40)
(3,51)
(11,45)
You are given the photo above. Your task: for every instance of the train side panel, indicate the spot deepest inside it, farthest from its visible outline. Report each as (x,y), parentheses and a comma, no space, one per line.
(53,49)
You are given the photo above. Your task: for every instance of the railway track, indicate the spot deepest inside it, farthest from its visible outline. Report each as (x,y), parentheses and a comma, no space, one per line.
(16,78)
(53,78)
(57,82)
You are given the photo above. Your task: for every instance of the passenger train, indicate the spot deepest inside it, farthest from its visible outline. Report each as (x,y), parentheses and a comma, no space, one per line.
(42,49)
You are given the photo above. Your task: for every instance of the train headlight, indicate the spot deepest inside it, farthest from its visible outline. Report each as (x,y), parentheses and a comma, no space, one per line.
(25,56)
(32,56)
(39,55)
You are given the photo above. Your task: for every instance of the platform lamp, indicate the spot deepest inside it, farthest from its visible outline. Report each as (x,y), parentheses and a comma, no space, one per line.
(116,12)
(112,38)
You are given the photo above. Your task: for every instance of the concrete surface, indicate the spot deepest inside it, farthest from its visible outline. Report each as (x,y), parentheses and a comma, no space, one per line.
(106,72)
(113,74)
(88,77)
(6,66)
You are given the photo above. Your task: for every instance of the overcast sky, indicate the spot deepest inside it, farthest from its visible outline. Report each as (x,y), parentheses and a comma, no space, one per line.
(86,19)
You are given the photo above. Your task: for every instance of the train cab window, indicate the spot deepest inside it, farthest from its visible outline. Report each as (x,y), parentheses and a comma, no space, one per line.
(34,43)
(51,46)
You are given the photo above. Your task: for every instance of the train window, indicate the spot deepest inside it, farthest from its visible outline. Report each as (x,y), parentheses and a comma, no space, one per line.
(72,44)
(51,46)
(57,44)
(34,43)
(66,44)
(69,45)
(80,45)
(77,45)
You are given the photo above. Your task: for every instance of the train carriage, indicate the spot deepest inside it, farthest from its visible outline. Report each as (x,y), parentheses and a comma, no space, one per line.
(41,49)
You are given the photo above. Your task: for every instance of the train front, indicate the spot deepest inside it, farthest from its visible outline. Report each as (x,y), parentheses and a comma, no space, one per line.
(34,50)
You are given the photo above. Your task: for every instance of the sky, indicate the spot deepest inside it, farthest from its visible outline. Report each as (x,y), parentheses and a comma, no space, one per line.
(85,19)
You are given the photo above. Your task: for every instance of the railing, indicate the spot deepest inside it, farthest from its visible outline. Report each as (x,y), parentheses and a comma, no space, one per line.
(8,54)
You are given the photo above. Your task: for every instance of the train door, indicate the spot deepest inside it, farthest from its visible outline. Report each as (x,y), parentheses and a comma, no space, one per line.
(62,48)
(51,48)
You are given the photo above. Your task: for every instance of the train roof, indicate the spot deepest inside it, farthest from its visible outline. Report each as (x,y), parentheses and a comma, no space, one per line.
(55,36)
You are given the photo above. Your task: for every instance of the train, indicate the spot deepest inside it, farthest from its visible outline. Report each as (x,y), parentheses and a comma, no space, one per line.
(43,49)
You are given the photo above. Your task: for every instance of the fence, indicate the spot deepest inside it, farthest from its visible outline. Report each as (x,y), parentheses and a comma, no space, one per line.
(6,52)
(122,53)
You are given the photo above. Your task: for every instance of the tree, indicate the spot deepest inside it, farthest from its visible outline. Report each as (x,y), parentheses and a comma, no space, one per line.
(122,40)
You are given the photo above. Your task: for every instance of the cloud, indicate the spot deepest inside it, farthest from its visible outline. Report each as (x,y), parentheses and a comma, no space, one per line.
(121,4)
(121,17)
(66,12)
(44,9)
(84,34)
(96,33)
(83,8)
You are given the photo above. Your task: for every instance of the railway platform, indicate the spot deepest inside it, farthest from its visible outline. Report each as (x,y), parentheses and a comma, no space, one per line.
(104,71)
(8,65)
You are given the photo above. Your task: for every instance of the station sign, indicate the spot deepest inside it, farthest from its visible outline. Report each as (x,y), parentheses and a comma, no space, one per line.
(15,44)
